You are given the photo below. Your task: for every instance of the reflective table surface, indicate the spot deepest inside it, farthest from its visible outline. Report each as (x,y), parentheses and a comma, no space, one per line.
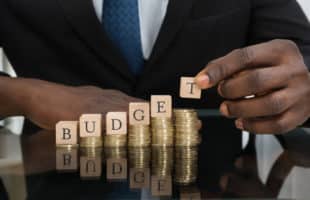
(226,164)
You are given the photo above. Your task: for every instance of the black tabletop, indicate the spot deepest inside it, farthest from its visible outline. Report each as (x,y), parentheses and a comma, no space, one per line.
(222,166)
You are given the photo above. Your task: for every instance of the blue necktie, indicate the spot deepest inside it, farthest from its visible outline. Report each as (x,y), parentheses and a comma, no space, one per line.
(121,23)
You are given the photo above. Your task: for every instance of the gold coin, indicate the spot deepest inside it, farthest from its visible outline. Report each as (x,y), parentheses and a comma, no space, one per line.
(115,140)
(186,127)
(91,142)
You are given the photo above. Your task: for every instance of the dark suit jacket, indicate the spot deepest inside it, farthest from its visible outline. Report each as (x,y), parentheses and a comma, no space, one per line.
(63,41)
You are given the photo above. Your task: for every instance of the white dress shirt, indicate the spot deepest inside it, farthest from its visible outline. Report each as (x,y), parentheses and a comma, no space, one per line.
(152,14)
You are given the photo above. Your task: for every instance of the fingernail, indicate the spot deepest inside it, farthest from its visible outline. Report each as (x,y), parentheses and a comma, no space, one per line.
(239,124)
(224,110)
(203,81)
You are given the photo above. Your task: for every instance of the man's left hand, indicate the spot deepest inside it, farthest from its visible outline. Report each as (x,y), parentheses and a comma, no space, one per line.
(273,74)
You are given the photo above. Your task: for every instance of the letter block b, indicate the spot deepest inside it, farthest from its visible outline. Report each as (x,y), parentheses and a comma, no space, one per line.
(66,133)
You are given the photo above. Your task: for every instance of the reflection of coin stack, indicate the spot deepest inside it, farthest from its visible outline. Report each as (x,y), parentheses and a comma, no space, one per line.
(117,140)
(115,152)
(139,157)
(91,152)
(186,124)
(90,163)
(139,136)
(162,131)
(91,142)
(186,165)
(116,162)
(162,161)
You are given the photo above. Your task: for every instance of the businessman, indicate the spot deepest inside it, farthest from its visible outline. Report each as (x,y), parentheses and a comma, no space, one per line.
(84,56)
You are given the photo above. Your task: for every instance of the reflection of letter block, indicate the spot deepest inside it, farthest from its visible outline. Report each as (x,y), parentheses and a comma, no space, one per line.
(66,159)
(192,194)
(66,133)
(90,125)
(161,186)
(161,106)
(117,169)
(189,89)
(116,123)
(139,178)
(139,113)
(90,167)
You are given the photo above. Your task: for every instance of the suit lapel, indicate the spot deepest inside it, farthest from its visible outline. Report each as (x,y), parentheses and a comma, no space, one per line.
(81,15)
(177,13)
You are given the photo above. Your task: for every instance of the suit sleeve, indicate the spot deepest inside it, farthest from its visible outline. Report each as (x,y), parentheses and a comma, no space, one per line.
(280,19)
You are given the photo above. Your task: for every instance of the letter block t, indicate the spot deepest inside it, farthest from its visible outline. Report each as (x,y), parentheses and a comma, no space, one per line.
(189,89)
(66,133)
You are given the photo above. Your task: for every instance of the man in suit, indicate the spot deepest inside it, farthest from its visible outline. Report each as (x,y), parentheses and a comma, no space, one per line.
(83,56)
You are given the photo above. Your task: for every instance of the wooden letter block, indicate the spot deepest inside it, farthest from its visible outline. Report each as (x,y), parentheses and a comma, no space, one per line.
(189,89)
(139,178)
(116,169)
(139,113)
(161,186)
(90,125)
(116,123)
(90,167)
(66,133)
(66,159)
(161,106)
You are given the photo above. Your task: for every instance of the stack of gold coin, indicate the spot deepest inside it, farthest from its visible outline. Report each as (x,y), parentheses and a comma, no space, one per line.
(119,140)
(186,127)
(186,165)
(162,131)
(139,136)
(162,161)
(91,141)
(67,146)
(139,157)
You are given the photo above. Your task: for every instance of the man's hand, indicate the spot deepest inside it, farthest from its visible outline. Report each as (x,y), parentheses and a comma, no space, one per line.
(47,103)
(274,74)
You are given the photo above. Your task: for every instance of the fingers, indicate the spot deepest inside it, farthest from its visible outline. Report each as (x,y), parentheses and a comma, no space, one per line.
(241,185)
(255,82)
(272,125)
(268,105)
(265,54)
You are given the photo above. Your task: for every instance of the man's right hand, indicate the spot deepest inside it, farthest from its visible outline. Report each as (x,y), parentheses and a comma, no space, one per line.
(46,103)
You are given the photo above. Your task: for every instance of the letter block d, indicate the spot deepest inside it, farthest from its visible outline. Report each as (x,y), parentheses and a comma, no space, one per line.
(116,123)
